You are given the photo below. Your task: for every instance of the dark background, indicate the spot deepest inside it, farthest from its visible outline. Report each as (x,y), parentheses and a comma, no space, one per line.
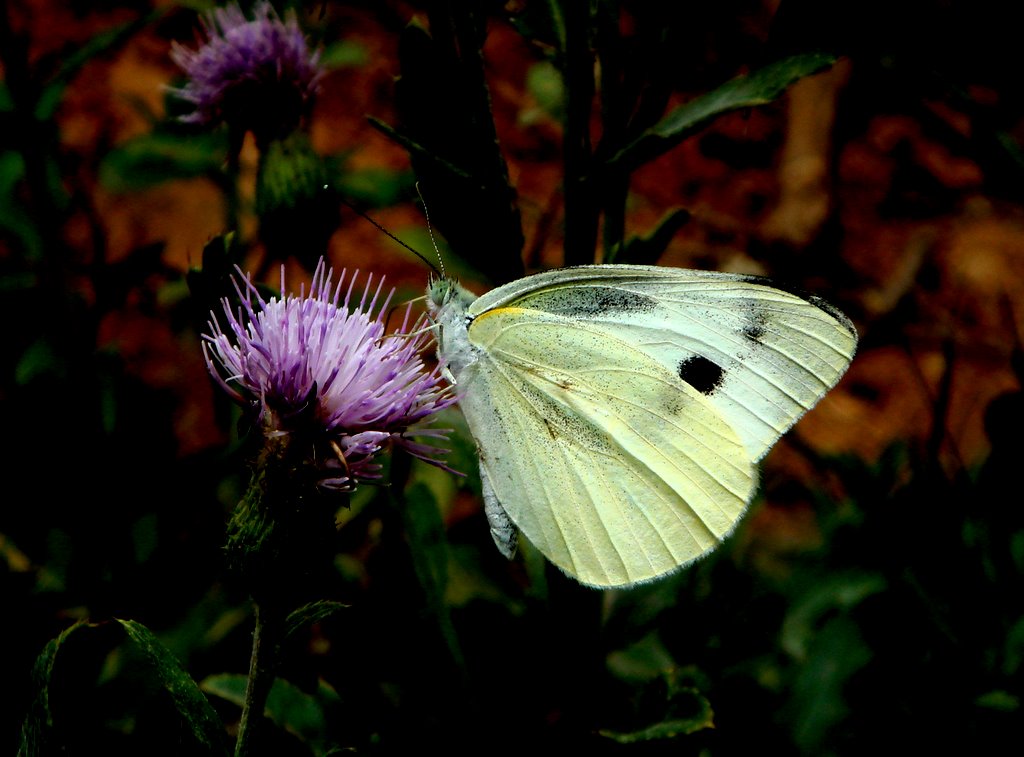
(870,598)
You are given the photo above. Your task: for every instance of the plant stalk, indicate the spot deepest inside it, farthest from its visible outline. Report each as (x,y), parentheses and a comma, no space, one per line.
(262,662)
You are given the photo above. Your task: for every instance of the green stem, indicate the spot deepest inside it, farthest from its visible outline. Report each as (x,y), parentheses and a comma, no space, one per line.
(278,543)
(262,662)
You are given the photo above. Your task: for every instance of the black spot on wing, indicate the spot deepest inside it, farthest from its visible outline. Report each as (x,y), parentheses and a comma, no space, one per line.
(823,305)
(589,301)
(835,312)
(701,373)
(754,328)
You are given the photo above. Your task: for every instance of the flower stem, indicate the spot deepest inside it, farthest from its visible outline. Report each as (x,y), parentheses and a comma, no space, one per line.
(265,642)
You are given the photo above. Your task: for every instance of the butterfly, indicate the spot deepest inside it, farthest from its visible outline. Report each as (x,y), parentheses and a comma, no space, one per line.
(620,411)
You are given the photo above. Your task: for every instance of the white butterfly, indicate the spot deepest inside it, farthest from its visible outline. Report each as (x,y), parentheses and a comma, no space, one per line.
(620,410)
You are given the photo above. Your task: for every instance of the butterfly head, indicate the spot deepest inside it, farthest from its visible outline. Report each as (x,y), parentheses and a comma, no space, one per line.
(439,291)
(445,293)
(448,303)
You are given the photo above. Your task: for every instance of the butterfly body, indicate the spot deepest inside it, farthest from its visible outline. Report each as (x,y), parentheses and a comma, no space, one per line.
(620,411)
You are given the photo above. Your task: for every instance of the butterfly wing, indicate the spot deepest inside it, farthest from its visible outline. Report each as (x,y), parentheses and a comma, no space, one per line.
(761,356)
(611,465)
(620,410)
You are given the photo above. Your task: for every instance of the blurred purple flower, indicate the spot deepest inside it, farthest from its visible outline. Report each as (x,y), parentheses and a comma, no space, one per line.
(257,75)
(308,365)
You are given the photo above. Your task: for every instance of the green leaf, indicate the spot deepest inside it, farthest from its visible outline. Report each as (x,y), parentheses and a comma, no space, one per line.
(213,281)
(296,711)
(103,42)
(309,614)
(13,217)
(666,729)
(189,701)
(416,150)
(152,159)
(544,82)
(757,88)
(12,171)
(288,706)
(807,613)
(445,73)
(374,186)
(145,537)
(49,100)
(644,660)
(426,535)
(39,360)
(18,282)
(1000,700)
(818,698)
(647,249)
(1013,655)
(685,709)
(41,735)
(542,24)
(1017,550)
(52,94)
(228,686)
(344,54)
(428,544)
(37,730)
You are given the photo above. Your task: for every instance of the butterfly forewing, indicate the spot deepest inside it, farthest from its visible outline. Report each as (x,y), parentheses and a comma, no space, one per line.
(762,356)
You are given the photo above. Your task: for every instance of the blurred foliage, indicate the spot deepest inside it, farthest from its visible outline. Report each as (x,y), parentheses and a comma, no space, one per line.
(159,156)
(463,176)
(901,623)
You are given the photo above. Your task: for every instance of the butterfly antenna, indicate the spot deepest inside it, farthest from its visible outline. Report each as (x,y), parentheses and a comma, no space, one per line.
(413,250)
(430,231)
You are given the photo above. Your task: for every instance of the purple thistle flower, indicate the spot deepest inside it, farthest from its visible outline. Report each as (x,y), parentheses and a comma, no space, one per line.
(256,75)
(307,365)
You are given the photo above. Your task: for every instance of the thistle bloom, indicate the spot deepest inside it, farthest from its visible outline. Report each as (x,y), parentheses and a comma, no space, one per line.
(257,74)
(307,365)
